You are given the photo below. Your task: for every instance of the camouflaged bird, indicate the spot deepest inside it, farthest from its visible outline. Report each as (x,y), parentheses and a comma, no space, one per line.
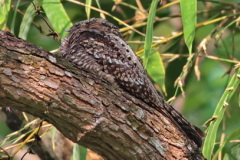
(98,46)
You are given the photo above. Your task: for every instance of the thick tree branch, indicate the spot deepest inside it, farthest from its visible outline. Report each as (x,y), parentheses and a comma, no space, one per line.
(88,110)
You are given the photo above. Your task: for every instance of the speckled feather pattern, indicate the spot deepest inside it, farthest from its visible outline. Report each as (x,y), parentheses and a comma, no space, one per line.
(97,45)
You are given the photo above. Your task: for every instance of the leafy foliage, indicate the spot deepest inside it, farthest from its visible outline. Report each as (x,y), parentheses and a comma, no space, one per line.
(189,20)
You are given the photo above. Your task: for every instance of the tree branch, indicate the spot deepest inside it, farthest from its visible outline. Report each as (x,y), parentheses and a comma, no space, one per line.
(90,111)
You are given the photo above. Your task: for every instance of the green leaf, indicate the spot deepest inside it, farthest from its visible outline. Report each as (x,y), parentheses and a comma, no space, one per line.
(149,32)
(83,153)
(235,134)
(57,16)
(239,99)
(98,5)
(79,153)
(4,10)
(87,9)
(14,17)
(189,20)
(27,20)
(210,139)
(156,70)
(53,135)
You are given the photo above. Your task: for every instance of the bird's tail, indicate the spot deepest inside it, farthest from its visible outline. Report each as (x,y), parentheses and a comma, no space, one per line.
(193,132)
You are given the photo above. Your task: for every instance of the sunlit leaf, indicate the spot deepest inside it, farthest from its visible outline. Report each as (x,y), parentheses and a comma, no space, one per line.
(235,134)
(57,16)
(79,153)
(189,20)
(4,10)
(87,9)
(156,69)
(149,32)
(27,20)
(210,139)
(53,135)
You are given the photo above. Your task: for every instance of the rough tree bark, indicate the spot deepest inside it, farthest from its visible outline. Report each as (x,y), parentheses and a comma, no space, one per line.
(88,110)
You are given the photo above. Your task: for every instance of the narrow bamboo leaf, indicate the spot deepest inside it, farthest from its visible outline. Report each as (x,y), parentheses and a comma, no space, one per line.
(149,32)
(53,135)
(235,134)
(76,153)
(101,14)
(209,142)
(57,16)
(83,153)
(27,20)
(79,153)
(87,9)
(189,20)
(239,100)
(4,10)
(156,69)
(14,17)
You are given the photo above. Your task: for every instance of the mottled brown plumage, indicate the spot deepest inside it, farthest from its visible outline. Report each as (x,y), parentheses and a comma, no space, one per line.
(97,45)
